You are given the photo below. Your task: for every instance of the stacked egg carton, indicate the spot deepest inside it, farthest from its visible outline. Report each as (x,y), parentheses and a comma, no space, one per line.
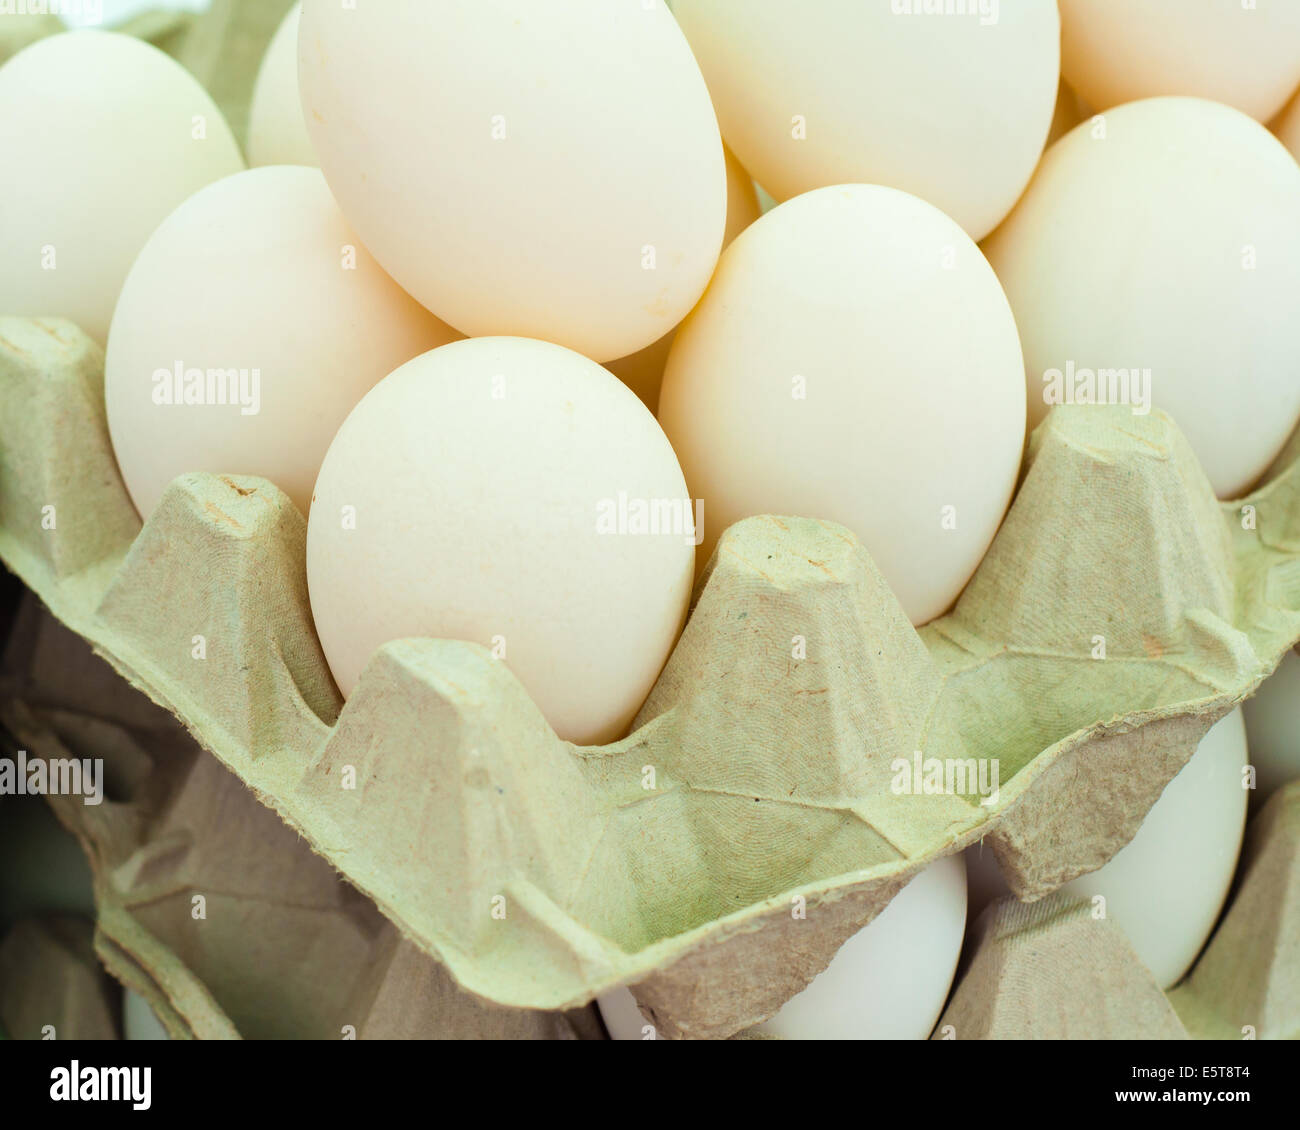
(540,874)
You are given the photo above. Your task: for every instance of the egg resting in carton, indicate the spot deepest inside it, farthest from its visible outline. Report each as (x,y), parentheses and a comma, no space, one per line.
(1057,969)
(281,947)
(717,857)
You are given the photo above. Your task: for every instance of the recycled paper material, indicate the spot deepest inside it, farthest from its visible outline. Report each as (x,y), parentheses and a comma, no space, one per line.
(1056,970)
(1050,970)
(1246,983)
(52,985)
(763,810)
(209,906)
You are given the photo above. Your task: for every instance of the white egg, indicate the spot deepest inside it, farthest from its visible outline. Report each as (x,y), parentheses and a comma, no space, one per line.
(491,490)
(951,108)
(855,360)
(1273,728)
(1162,245)
(540,170)
(138,1020)
(277,131)
(1244,54)
(887,982)
(102,137)
(251,324)
(643,372)
(1166,886)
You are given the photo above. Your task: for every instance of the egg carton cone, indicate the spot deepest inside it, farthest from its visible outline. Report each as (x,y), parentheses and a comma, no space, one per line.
(760,812)
(51,984)
(210,907)
(1059,969)
(1051,970)
(1246,983)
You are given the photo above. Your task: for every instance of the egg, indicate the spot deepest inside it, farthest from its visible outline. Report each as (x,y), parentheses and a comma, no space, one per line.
(1166,886)
(535,170)
(953,108)
(277,131)
(111,136)
(1155,261)
(513,493)
(139,1021)
(855,360)
(887,982)
(249,327)
(643,371)
(1273,728)
(1241,53)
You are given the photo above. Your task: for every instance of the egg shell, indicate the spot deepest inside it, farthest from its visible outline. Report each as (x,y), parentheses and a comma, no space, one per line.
(951,108)
(1165,237)
(1166,886)
(257,274)
(102,136)
(1246,55)
(277,130)
(465,498)
(855,360)
(643,371)
(551,171)
(887,982)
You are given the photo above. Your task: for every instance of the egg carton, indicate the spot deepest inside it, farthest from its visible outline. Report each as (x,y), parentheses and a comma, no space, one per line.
(208,905)
(717,857)
(1056,969)
(51,986)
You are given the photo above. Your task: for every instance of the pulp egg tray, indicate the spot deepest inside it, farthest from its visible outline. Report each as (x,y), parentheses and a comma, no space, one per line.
(1055,969)
(1120,611)
(206,904)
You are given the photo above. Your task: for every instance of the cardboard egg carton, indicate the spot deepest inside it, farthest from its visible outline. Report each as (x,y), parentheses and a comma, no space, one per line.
(51,986)
(716,858)
(208,905)
(1056,970)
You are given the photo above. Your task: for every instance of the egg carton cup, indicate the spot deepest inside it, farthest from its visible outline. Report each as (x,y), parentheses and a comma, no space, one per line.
(716,858)
(280,946)
(1056,970)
